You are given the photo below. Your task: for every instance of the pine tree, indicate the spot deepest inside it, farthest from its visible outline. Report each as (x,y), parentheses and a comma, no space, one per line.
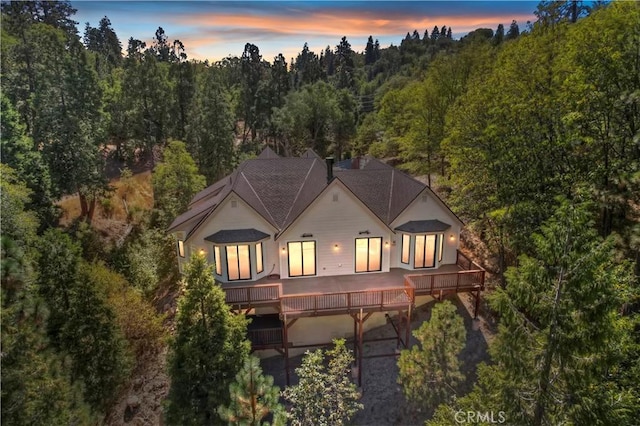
(253,397)
(435,34)
(210,130)
(514,31)
(175,181)
(81,324)
(556,358)
(369,56)
(430,372)
(498,37)
(324,395)
(35,383)
(207,352)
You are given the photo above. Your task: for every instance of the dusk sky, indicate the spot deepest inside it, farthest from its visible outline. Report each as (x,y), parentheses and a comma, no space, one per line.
(214,30)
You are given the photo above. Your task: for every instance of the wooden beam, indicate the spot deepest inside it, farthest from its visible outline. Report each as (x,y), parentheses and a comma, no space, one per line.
(475,311)
(360,338)
(285,341)
(408,330)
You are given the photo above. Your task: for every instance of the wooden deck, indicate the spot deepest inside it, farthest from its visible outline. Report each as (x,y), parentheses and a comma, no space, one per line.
(393,290)
(358,295)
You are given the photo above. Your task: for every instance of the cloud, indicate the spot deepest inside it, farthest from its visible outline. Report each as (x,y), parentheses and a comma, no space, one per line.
(215,30)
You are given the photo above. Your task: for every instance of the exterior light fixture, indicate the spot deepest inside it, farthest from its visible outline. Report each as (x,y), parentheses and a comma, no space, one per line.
(386,243)
(336,247)
(201,252)
(284,249)
(452,237)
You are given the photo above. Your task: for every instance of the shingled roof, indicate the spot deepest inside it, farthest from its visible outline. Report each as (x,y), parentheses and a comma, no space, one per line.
(280,189)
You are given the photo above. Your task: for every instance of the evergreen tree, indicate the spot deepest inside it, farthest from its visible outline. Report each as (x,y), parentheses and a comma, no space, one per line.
(207,352)
(210,131)
(36,389)
(369,55)
(498,37)
(307,67)
(104,42)
(435,34)
(430,372)
(344,65)
(175,182)
(562,335)
(253,397)
(324,394)
(514,31)
(81,323)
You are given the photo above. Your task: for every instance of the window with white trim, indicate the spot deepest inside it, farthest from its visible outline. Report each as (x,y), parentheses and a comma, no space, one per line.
(181,248)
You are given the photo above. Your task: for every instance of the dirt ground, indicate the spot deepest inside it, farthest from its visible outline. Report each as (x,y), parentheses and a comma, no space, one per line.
(384,402)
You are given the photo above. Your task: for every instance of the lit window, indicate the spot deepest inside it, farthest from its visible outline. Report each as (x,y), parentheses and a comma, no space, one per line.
(406,246)
(424,251)
(216,252)
(441,250)
(238,263)
(368,254)
(180,248)
(259,260)
(302,258)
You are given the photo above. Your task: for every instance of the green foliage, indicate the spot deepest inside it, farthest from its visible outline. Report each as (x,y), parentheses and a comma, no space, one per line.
(148,259)
(210,131)
(430,373)
(207,352)
(18,224)
(81,323)
(36,389)
(135,317)
(324,394)
(319,117)
(253,397)
(18,153)
(175,182)
(561,335)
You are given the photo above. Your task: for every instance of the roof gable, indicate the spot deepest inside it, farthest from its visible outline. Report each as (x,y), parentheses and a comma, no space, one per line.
(280,189)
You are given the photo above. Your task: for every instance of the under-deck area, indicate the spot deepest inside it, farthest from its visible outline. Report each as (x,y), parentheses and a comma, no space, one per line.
(356,295)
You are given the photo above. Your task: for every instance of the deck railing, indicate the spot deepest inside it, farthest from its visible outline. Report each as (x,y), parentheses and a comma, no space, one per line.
(265,337)
(315,303)
(470,278)
(252,295)
(465,263)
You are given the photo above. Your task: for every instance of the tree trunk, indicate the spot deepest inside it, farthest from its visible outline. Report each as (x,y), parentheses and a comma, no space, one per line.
(543,384)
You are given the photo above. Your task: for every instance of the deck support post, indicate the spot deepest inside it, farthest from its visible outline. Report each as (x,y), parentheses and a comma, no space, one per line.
(475,311)
(285,341)
(407,332)
(398,339)
(355,336)
(360,338)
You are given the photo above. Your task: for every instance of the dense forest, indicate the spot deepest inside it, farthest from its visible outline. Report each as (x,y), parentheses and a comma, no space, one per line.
(531,134)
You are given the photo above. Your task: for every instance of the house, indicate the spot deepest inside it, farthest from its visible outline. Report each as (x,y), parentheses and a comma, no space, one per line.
(327,246)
